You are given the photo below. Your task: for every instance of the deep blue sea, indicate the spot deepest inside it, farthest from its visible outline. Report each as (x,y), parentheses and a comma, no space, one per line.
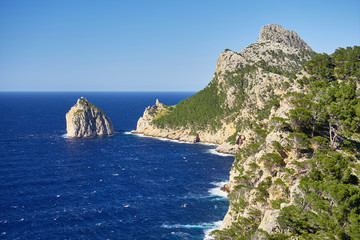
(119,187)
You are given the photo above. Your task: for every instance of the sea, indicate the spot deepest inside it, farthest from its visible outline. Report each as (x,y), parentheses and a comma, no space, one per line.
(125,186)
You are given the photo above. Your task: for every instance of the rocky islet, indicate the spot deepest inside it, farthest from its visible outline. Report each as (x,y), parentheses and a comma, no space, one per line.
(86,120)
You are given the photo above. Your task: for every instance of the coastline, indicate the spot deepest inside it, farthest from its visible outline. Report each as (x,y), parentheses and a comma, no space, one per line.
(222,147)
(221,189)
(177,140)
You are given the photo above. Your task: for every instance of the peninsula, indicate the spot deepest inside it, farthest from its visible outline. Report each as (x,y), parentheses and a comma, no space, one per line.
(291,117)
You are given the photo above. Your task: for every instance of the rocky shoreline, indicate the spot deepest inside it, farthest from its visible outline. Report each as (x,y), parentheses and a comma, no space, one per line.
(252,85)
(145,126)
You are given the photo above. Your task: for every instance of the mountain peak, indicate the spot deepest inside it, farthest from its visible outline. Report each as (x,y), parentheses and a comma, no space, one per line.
(276,33)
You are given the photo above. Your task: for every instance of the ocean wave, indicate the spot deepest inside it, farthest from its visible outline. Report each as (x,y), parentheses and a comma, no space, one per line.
(127,133)
(207,227)
(190,226)
(161,138)
(216,191)
(213,151)
(216,225)
(207,144)
(64,135)
(173,140)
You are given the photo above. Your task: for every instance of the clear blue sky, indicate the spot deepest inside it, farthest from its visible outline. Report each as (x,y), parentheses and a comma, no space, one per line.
(149,45)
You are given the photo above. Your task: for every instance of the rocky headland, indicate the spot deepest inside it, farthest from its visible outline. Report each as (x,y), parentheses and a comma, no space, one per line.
(290,116)
(86,120)
(273,41)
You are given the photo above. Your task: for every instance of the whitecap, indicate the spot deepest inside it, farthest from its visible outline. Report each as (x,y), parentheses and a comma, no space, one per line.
(141,135)
(216,191)
(170,140)
(216,225)
(207,144)
(127,133)
(213,151)
(115,174)
(64,135)
(162,138)
(184,205)
(190,226)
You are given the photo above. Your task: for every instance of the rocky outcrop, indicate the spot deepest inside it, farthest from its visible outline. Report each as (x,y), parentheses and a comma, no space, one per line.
(256,97)
(276,33)
(146,127)
(86,120)
(270,51)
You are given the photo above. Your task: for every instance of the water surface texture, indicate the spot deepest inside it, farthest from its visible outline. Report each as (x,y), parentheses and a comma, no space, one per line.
(120,187)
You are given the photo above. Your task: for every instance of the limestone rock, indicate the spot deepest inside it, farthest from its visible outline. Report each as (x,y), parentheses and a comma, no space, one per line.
(86,120)
(276,33)
(247,82)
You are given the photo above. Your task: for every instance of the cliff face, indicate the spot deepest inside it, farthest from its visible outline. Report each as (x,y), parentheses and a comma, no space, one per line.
(278,34)
(242,82)
(86,120)
(289,127)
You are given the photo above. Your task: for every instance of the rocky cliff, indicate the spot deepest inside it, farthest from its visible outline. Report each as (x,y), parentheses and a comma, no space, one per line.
(292,129)
(86,120)
(242,81)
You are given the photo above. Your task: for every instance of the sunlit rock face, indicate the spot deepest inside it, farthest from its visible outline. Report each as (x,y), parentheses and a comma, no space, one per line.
(86,120)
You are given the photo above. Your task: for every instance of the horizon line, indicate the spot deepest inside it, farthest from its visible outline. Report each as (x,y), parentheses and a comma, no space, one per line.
(54,91)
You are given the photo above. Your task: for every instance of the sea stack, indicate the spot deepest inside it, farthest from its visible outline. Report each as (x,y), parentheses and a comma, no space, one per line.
(86,120)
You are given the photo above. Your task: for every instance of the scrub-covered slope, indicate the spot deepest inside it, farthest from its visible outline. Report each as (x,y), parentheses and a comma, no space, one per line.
(245,86)
(292,119)
(298,174)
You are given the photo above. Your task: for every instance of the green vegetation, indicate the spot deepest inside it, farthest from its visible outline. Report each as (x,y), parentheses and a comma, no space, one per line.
(200,111)
(291,62)
(319,144)
(85,103)
(331,206)
(272,160)
(325,120)
(323,130)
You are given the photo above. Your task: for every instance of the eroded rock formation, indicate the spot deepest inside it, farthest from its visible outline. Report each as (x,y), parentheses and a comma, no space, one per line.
(86,120)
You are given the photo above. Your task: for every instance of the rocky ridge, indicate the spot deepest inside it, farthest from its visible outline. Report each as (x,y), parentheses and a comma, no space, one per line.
(283,121)
(86,120)
(278,34)
(256,72)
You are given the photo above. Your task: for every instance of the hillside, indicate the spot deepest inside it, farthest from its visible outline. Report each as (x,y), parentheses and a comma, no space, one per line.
(292,117)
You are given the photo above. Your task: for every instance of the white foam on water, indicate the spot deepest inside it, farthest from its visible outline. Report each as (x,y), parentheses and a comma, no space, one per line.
(213,151)
(127,133)
(207,227)
(64,135)
(160,138)
(190,226)
(207,144)
(216,190)
(216,225)
(177,141)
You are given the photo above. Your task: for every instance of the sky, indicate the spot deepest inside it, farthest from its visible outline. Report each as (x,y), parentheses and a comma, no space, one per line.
(149,45)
